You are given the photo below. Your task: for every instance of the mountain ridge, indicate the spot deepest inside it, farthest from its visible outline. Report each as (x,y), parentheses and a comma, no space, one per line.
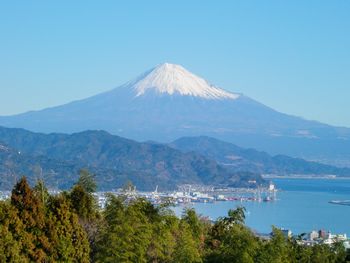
(164,117)
(228,154)
(113,159)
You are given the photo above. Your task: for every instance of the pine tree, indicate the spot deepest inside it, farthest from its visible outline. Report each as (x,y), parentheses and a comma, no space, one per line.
(66,234)
(84,204)
(11,234)
(41,192)
(87,181)
(31,212)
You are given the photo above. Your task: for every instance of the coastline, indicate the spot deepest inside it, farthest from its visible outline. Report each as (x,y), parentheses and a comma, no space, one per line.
(294,176)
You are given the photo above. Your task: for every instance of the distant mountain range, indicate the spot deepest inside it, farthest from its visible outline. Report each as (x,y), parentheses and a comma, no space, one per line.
(240,159)
(169,102)
(56,158)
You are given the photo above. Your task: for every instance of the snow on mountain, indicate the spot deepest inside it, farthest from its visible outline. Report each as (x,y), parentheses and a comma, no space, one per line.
(174,79)
(169,102)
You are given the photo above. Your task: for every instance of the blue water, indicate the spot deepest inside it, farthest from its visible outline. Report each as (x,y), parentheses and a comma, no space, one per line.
(302,205)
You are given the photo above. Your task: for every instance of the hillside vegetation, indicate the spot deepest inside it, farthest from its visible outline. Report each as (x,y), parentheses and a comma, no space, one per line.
(68,227)
(114,160)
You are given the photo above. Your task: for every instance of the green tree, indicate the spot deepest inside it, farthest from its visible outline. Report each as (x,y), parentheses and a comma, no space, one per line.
(41,192)
(277,250)
(66,234)
(84,204)
(339,252)
(300,253)
(191,218)
(231,241)
(81,197)
(87,181)
(163,241)
(199,227)
(11,233)
(126,234)
(186,250)
(164,228)
(321,254)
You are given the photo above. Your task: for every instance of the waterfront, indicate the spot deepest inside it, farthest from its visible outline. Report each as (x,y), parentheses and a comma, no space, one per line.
(302,205)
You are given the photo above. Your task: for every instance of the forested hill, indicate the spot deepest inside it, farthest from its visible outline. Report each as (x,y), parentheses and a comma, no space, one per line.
(115,160)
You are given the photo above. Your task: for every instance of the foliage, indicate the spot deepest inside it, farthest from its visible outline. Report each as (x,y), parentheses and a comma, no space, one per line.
(67,235)
(31,212)
(231,241)
(87,181)
(114,161)
(127,232)
(38,227)
(41,192)
(35,232)
(11,233)
(84,204)
(276,250)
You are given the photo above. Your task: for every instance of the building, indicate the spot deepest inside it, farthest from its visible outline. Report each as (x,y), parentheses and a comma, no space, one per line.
(313,235)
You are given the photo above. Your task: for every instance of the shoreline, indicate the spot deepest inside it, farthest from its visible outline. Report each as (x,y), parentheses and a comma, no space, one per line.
(304,177)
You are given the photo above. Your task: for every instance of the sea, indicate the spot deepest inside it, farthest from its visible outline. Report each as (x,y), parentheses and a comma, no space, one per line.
(302,205)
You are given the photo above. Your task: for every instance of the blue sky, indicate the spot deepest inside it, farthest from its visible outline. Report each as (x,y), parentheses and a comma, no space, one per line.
(293,56)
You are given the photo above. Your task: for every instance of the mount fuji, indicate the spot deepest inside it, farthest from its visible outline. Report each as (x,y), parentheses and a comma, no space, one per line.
(168,102)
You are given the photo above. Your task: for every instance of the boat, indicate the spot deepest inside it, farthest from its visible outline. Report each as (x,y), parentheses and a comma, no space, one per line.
(267,199)
(340,202)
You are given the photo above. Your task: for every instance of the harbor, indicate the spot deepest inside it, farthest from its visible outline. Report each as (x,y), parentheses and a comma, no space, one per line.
(190,194)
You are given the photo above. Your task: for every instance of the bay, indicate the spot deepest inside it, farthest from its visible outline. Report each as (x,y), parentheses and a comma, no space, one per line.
(302,205)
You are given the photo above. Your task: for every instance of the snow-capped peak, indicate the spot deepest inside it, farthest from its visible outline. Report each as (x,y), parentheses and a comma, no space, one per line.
(174,79)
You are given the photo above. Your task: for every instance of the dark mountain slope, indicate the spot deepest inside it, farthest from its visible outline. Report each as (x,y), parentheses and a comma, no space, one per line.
(116,160)
(14,164)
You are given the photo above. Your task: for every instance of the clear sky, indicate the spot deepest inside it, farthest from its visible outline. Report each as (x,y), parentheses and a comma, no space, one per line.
(293,56)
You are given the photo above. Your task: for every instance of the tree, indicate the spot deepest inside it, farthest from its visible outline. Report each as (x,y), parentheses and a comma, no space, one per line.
(300,253)
(31,212)
(66,234)
(186,250)
(231,241)
(191,218)
(31,233)
(277,250)
(339,252)
(198,226)
(81,196)
(83,203)
(87,181)
(126,235)
(164,238)
(41,192)
(235,216)
(11,233)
